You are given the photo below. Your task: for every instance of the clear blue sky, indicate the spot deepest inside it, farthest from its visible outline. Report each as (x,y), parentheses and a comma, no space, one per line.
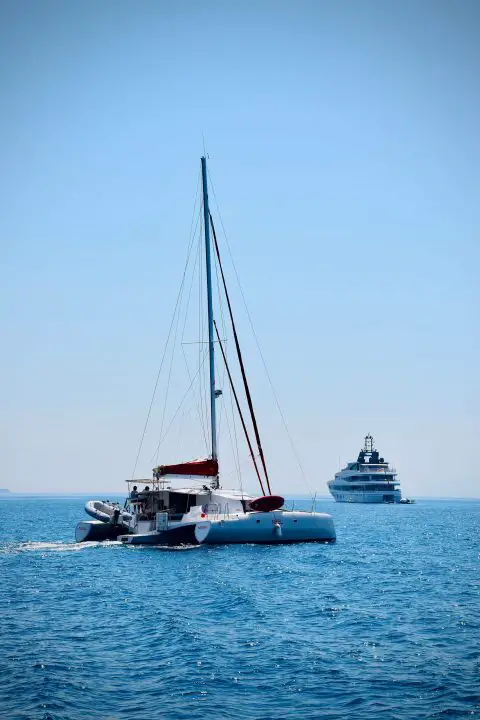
(344,146)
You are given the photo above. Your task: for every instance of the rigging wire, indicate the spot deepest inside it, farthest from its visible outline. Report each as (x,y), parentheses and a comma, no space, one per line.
(202,386)
(239,410)
(234,446)
(178,408)
(175,339)
(240,360)
(169,377)
(231,443)
(199,413)
(257,342)
(190,245)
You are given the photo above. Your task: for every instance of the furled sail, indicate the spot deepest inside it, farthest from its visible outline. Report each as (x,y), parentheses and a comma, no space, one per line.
(202,468)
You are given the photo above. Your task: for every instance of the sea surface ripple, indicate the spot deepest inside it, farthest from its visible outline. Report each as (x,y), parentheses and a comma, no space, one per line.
(385,623)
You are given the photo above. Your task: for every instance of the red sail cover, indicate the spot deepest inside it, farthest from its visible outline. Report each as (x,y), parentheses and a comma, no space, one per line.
(204,468)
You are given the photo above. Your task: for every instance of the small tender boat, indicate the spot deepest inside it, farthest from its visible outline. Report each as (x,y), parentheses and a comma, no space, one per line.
(205,512)
(138,527)
(107,512)
(109,522)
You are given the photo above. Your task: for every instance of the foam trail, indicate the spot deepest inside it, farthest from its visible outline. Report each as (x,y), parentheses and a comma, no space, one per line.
(57,546)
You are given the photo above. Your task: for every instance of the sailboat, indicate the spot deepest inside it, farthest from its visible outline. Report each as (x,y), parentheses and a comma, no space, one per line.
(202,511)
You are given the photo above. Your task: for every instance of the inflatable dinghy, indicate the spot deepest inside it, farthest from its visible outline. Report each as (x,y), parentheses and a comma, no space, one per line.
(110,522)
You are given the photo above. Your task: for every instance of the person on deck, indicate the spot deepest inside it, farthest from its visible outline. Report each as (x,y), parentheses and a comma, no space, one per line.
(134,492)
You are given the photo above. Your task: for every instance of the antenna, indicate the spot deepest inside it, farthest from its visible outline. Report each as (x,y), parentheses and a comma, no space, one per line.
(369,444)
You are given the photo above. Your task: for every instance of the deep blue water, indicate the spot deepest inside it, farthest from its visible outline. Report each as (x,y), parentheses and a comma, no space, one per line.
(383,624)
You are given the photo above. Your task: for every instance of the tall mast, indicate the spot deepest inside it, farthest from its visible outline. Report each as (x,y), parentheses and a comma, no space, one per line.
(206,224)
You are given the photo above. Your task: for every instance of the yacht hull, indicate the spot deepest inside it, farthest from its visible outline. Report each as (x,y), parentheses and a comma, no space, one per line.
(387,497)
(97,531)
(281,527)
(181,534)
(216,528)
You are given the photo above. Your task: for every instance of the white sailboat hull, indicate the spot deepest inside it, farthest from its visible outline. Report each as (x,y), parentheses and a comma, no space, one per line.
(280,527)
(182,533)
(221,521)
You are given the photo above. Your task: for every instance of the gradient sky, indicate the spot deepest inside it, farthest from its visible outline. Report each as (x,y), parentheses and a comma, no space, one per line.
(344,146)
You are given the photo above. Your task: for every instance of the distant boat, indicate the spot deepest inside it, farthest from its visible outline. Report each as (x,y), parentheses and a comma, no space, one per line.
(368,480)
(157,513)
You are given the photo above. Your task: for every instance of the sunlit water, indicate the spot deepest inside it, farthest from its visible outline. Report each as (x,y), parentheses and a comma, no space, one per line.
(383,624)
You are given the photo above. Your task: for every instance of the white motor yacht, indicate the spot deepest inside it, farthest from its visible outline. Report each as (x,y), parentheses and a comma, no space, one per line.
(368,480)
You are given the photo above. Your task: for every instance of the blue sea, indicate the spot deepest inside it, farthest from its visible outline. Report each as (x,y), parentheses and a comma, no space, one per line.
(385,623)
